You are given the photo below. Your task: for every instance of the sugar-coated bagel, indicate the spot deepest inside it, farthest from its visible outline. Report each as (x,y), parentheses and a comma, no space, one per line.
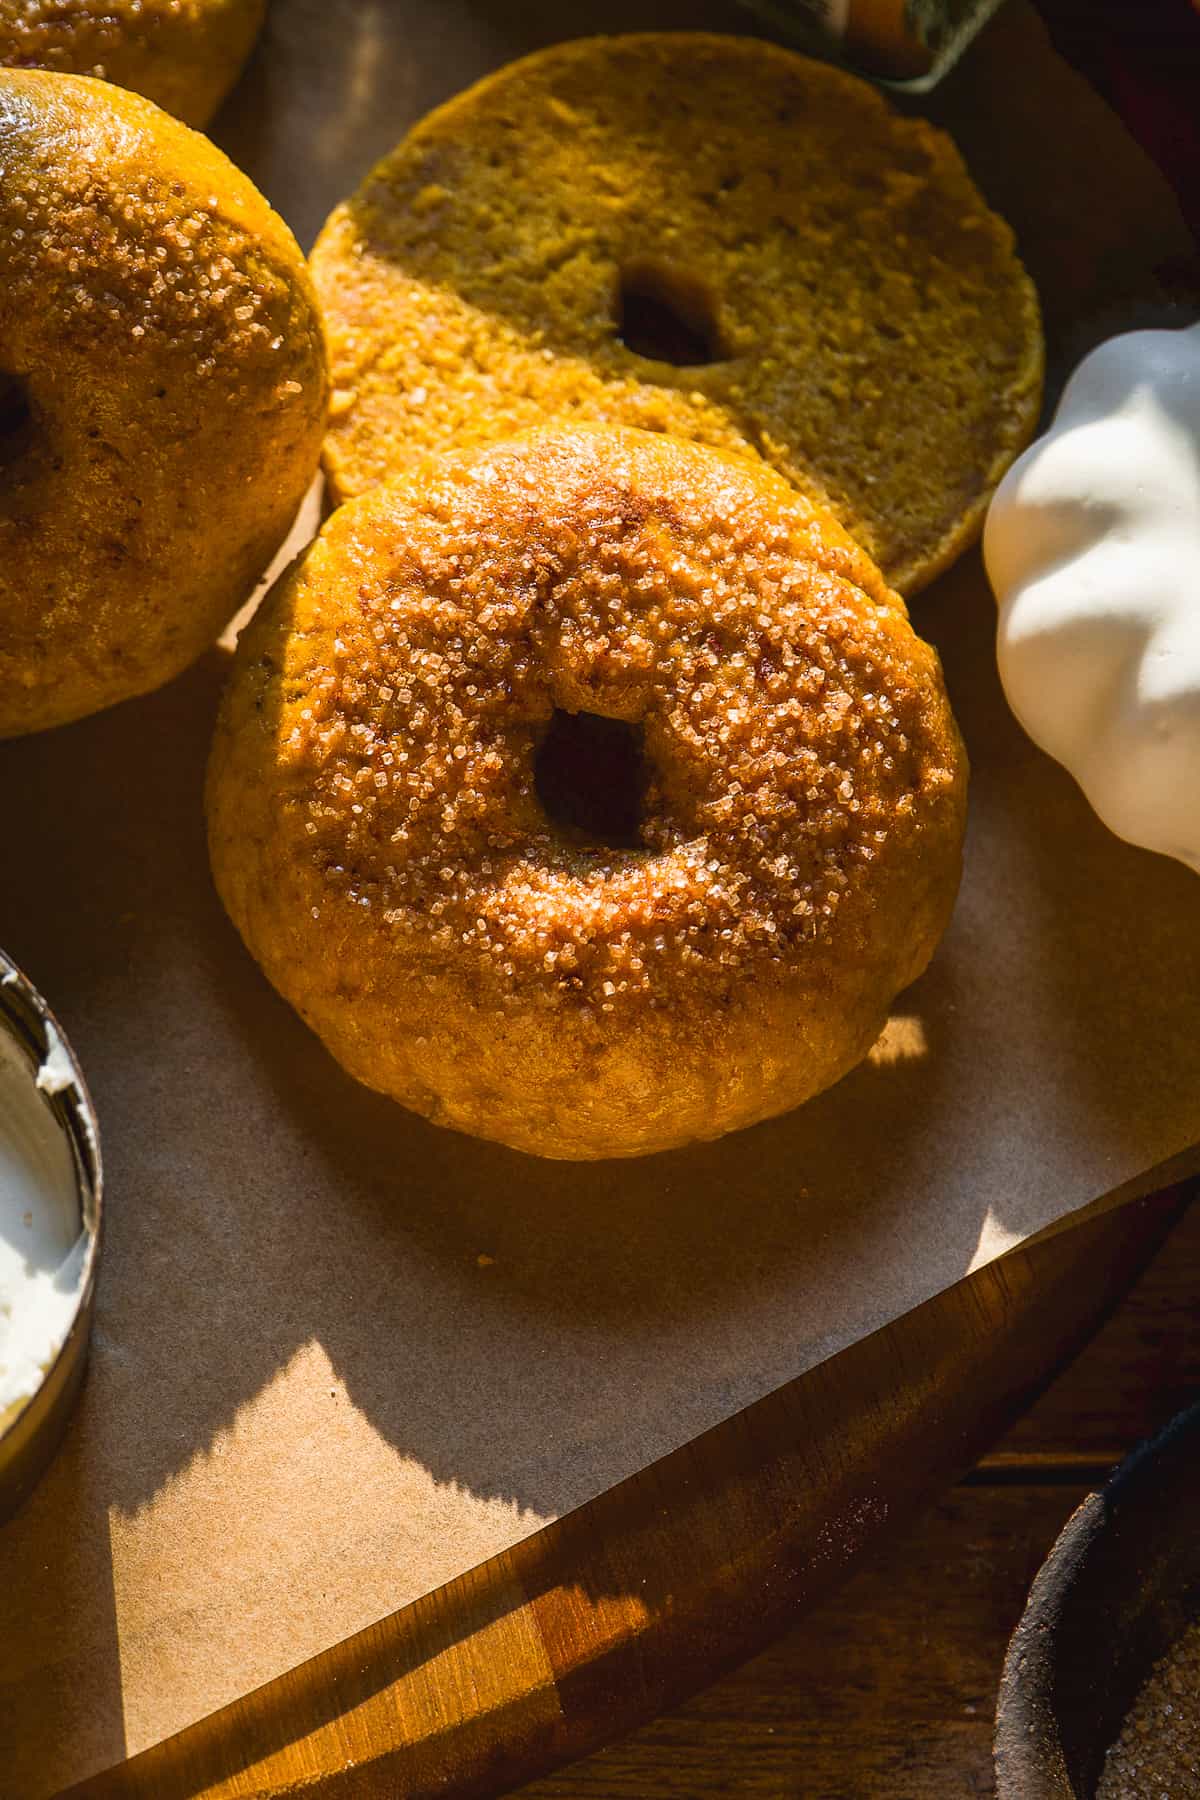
(162,394)
(184,55)
(378,837)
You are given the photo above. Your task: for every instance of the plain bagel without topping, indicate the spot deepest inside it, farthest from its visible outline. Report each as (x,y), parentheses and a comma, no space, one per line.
(860,320)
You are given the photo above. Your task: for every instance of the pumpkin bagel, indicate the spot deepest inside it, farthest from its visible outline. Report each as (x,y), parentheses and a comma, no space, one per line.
(184,55)
(707,236)
(162,394)
(380,836)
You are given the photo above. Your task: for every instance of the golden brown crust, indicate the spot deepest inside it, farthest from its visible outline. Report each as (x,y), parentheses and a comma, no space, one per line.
(184,55)
(166,391)
(877,340)
(377,836)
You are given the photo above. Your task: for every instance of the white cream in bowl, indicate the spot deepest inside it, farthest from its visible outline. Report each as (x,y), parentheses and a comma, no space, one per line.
(43,1240)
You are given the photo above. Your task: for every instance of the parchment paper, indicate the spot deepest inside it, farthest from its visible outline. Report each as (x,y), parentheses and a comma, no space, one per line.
(341,1356)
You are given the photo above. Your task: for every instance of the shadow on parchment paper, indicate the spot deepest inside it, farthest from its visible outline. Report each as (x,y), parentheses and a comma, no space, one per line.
(1107,917)
(217,1270)
(75,1584)
(36,1687)
(1105,259)
(371,1249)
(369,69)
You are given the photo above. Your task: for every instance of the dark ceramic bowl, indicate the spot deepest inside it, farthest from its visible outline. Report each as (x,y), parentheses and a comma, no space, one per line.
(1116,1592)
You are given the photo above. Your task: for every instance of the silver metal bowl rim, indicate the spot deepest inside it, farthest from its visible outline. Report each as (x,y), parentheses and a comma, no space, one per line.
(80,1121)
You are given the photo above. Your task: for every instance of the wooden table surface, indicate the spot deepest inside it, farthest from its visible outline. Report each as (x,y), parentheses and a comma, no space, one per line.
(888,1689)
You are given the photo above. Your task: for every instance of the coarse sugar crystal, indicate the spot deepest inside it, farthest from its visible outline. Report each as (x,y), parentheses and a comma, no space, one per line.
(1157,1755)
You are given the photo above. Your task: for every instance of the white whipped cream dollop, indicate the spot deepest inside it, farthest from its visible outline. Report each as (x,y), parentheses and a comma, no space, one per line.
(1092,546)
(43,1246)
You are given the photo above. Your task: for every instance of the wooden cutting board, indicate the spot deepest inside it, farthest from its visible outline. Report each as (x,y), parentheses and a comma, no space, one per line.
(618,1611)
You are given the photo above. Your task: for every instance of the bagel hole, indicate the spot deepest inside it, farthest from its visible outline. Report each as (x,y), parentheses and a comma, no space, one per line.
(16,417)
(667,315)
(590,775)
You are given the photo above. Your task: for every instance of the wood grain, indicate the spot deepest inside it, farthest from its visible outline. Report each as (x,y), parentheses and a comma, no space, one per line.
(1140,1370)
(884,1693)
(889,1689)
(637,1599)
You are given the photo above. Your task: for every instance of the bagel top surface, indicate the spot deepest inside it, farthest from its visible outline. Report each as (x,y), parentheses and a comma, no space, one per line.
(376,825)
(182,54)
(163,385)
(862,319)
